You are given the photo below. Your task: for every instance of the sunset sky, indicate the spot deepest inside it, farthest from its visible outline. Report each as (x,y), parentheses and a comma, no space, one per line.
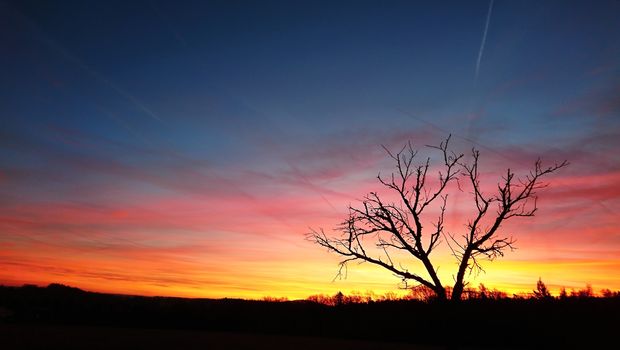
(185,148)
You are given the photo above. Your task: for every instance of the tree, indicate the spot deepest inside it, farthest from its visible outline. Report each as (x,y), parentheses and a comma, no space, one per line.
(563,294)
(483,291)
(541,291)
(421,292)
(397,226)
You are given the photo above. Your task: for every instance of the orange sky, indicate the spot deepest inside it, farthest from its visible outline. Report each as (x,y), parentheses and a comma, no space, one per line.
(235,245)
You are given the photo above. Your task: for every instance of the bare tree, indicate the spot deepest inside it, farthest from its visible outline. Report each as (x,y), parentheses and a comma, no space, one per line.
(398,226)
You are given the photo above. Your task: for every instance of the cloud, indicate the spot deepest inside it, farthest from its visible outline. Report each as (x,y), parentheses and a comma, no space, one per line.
(185,223)
(600,102)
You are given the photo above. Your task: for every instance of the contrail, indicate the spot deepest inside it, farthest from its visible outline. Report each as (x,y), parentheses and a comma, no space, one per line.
(138,104)
(484,39)
(85,67)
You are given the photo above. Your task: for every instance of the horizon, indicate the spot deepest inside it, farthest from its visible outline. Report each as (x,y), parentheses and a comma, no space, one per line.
(357,297)
(155,148)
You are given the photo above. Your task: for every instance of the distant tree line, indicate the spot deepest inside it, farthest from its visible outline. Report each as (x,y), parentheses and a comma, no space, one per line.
(580,318)
(424,294)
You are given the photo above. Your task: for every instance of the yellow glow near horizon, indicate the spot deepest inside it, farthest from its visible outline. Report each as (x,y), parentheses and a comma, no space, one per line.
(253,247)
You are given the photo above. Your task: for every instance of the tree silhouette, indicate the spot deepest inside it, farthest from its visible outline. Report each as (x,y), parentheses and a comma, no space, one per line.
(563,294)
(397,226)
(541,291)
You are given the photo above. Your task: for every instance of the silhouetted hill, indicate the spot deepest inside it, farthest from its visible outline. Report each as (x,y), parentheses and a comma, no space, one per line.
(476,323)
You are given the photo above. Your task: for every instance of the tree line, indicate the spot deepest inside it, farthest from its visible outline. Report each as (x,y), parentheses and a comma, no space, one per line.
(422,293)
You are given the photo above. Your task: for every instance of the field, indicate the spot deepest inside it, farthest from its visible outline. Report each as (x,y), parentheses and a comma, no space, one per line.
(67,318)
(80,337)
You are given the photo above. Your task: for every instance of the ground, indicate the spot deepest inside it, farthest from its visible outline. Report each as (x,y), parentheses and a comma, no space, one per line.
(94,338)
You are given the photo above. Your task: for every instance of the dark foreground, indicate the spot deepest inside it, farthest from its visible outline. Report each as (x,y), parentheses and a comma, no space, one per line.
(67,318)
(84,337)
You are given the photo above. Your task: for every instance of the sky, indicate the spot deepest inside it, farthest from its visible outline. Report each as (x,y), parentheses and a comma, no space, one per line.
(185,148)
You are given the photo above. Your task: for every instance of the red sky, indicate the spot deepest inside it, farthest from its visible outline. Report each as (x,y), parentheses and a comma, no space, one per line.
(245,236)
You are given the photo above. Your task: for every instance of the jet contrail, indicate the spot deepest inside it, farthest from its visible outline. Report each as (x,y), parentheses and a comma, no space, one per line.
(484,39)
(138,104)
(85,67)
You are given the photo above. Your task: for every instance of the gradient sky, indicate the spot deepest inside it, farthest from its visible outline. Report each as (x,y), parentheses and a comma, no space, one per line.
(167,148)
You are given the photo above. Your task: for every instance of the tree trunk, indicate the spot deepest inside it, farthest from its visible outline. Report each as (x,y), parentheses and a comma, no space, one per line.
(440,292)
(457,291)
(439,289)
